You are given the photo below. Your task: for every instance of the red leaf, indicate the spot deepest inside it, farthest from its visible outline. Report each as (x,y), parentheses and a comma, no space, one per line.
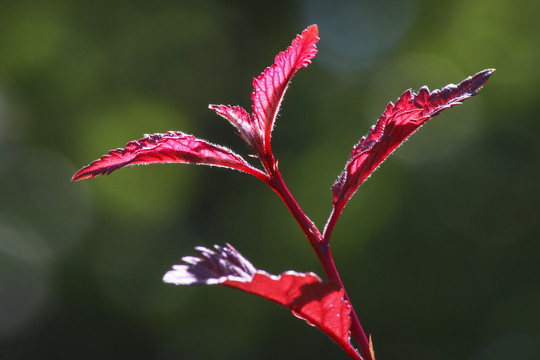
(320,303)
(268,91)
(394,126)
(240,119)
(172,147)
(270,86)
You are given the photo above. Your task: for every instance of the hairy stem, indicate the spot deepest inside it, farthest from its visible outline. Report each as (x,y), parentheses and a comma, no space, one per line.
(321,247)
(329,227)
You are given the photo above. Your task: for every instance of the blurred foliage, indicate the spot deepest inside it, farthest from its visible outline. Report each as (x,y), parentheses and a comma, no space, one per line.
(439,249)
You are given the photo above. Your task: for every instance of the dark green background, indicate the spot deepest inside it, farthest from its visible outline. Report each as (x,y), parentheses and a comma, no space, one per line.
(439,249)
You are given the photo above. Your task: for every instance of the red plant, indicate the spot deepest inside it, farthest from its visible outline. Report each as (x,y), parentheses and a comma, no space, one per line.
(324,304)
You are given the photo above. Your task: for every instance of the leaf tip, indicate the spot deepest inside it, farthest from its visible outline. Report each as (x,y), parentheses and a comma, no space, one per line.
(483,76)
(312,30)
(82,174)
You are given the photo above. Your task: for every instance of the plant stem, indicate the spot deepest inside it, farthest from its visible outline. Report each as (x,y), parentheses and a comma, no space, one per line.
(356,328)
(332,219)
(308,227)
(321,247)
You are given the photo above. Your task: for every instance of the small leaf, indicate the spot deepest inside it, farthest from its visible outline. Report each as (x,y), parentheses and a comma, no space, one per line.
(320,303)
(242,121)
(394,126)
(172,147)
(270,86)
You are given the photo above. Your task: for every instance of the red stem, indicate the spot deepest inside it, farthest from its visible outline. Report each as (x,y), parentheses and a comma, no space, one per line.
(332,219)
(356,328)
(321,247)
(308,227)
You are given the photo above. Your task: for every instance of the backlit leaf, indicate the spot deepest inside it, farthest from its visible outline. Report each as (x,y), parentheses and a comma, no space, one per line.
(394,126)
(242,121)
(172,147)
(270,86)
(268,91)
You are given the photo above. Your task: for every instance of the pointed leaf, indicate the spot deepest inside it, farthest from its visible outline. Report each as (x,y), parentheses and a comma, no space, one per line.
(394,126)
(320,303)
(172,147)
(270,86)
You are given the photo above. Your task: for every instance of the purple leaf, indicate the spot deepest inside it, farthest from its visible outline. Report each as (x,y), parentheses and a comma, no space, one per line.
(213,267)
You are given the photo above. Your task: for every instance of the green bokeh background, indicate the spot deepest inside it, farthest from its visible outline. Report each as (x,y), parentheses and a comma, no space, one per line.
(439,250)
